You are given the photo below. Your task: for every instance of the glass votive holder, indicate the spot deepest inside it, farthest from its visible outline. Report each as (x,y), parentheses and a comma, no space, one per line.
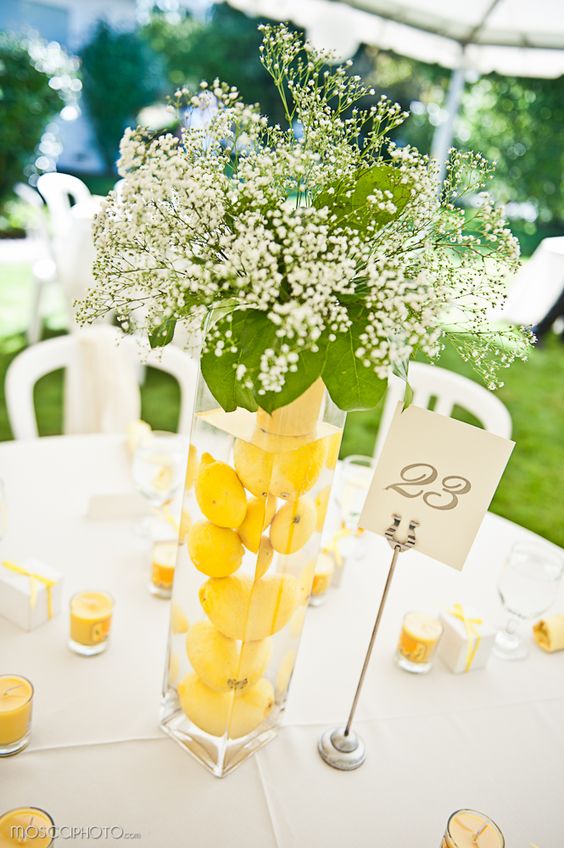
(90,621)
(16,699)
(322,577)
(419,637)
(471,829)
(163,563)
(27,826)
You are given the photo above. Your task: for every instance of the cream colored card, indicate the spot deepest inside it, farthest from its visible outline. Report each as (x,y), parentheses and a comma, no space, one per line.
(439,472)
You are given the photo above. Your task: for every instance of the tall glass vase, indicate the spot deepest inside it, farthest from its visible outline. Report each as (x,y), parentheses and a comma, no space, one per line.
(257,489)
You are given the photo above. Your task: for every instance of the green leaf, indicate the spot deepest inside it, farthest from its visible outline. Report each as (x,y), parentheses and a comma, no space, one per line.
(251,333)
(309,368)
(356,211)
(351,384)
(163,334)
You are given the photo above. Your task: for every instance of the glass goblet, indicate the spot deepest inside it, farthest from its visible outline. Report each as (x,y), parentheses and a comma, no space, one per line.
(157,471)
(528,586)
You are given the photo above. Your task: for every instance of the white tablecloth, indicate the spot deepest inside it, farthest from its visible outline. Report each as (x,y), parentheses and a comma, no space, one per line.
(492,740)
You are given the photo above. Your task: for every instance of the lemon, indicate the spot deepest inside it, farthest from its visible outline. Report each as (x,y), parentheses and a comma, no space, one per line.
(332,445)
(295,472)
(293,525)
(260,512)
(285,670)
(321,504)
(185,524)
(222,663)
(287,474)
(254,467)
(249,611)
(173,668)
(218,713)
(305,581)
(178,621)
(192,467)
(215,551)
(219,493)
(264,558)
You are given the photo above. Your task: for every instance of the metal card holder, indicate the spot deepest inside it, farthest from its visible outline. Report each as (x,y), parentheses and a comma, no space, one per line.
(341,747)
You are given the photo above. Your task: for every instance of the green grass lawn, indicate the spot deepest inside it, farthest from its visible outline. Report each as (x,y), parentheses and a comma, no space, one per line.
(528,493)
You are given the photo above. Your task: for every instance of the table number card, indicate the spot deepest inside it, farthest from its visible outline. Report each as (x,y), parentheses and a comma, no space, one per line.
(439,472)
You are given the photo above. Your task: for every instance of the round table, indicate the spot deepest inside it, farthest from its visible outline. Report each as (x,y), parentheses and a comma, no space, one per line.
(491,739)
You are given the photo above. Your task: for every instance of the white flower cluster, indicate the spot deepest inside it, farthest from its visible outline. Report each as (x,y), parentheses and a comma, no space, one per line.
(320,229)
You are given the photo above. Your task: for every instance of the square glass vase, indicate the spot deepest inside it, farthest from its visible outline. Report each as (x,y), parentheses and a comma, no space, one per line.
(256,495)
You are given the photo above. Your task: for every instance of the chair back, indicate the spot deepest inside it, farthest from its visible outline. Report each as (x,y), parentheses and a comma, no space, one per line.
(59,190)
(449,390)
(60,353)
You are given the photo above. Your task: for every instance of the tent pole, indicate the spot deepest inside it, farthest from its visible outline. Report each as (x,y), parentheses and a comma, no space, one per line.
(444,133)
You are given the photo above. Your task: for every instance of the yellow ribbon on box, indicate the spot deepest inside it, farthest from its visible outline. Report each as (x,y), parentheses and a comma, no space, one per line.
(472,627)
(33,580)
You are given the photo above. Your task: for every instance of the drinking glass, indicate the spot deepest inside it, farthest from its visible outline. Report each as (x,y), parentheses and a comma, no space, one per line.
(158,464)
(350,493)
(528,586)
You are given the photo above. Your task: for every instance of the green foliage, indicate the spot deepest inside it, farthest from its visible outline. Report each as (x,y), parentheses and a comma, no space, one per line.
(225,46)
(27,104)
(121,74)
(351,384)
(519,124)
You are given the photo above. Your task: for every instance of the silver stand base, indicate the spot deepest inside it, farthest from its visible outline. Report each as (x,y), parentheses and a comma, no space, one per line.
(345,753)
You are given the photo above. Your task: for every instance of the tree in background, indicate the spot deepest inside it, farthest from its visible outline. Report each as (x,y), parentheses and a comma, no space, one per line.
(121,74)
(27,104)
(225,46)
(520,124)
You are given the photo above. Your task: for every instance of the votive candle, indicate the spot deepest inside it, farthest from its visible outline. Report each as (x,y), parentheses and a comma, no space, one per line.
(471,829)
(16,698)
(90,622)
(162,568)
(26,826)
(419,637)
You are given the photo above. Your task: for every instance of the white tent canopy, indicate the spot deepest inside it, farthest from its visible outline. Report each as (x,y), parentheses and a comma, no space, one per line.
(512,37)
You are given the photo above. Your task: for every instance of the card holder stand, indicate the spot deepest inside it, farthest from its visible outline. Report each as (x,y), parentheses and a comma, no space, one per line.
(340,747)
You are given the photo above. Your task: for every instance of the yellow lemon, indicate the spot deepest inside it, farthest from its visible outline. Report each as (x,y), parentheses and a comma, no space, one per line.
(215,551)
(285,670)
(305,581)
(297,621)
(264,558)
(219,493)
(321,504)
(249,611)
(192,467)
(254,467)
(173,668)
(295,472)
(217,713)
(292,526)
(332,446)
(178,621)
(185,524)
(260,512)
(223,663)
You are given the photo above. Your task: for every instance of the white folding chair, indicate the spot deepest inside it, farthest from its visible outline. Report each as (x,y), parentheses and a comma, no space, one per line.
(59,190)
(449,390)
(44,269)
(58,353)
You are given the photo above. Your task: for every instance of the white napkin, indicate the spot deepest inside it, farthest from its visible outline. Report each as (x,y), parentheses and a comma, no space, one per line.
(101,390)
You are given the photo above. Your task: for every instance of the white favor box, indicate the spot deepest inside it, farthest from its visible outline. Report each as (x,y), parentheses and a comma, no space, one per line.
(455,643)
(16,594)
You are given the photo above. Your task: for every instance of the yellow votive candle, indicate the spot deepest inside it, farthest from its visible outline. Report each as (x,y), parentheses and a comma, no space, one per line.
(470,829)
(90,622)
(162,567)
(16,697)
(26,826)
(419,637)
